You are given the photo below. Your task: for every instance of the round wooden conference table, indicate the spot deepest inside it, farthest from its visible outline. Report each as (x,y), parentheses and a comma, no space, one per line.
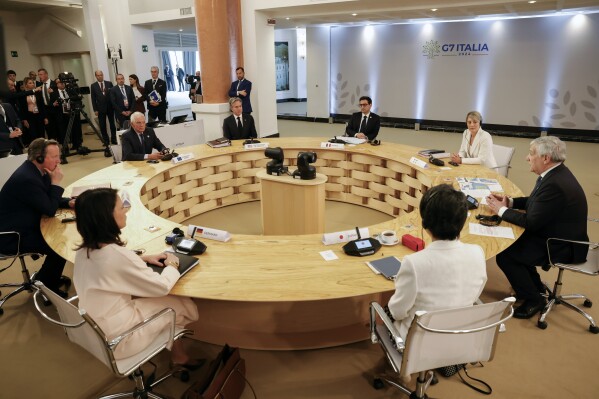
(277,292)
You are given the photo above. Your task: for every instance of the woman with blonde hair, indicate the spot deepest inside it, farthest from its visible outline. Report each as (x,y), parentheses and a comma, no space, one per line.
(477,144)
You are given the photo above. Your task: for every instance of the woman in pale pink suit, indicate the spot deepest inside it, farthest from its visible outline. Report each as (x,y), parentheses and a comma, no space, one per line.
(115,286)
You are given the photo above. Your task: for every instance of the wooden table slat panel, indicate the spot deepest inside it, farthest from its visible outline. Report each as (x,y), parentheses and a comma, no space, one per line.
(219,193)
(216,161)
(218,177)
(399,167)
(382,171)
(381,206)
(253,155)
(366,159)
(381,188)
(366,176)
(200,173)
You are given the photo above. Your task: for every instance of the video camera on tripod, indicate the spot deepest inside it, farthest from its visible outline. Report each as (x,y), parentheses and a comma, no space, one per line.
(76,108)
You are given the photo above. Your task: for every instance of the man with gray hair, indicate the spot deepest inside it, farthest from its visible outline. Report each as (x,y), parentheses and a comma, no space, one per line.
(155,90)
(556,208)
(139,141)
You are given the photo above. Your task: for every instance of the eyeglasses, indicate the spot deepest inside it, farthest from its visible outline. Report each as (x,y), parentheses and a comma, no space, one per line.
(364,104)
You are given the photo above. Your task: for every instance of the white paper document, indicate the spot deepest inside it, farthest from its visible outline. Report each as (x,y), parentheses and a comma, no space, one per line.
(478,187)
(328,255)
(494,231)
(353,140)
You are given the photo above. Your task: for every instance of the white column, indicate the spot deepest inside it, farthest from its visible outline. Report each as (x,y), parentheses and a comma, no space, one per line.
(118,32)
(259,61)
(92,15)
(318,65)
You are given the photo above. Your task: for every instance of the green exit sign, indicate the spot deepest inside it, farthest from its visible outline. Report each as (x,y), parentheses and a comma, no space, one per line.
(144,48)
(14,54)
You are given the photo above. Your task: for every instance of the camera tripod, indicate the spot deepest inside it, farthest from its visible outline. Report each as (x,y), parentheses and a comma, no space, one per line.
(76,111)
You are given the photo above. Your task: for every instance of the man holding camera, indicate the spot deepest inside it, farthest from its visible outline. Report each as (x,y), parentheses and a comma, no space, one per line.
(238,126)
(139,141)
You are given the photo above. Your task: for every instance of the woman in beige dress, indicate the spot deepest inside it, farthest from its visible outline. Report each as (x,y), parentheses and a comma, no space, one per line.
(115,286)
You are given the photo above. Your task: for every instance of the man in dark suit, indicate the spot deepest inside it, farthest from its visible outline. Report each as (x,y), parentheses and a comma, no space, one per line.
(239,125)
(242,88)
(556,208)
(364,124)
(122,100)
(33,191)
(156,109)
(195,89)
(103,107)
(51,106)
(139,141)
(10,130)
(170,78)
(180,76)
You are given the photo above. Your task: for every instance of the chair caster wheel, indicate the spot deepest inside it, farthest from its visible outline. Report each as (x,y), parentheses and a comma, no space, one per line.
(435,380)
(184,377)
(587,303)
(378,384)
(594,329)
(1,311)
(542,325)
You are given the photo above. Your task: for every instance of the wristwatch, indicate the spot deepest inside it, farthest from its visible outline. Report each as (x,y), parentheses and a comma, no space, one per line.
(171,263)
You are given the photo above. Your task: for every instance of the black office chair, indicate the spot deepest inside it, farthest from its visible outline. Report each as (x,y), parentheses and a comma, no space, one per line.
(27,284)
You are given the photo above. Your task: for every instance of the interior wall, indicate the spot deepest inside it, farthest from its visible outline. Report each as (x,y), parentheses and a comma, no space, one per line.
(48,36)
(533,72)
(318,73)
(14,32)
(140,7)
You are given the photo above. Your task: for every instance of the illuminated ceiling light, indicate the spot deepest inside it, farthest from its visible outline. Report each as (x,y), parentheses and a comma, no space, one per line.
(181,30)
(532,1)
(434,9)
(354,14)
(287,18)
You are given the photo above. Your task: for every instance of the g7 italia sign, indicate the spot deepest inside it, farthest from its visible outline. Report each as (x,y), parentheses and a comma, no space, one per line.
(433,48)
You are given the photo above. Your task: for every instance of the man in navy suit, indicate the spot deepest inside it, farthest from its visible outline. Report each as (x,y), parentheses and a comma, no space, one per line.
(556,208)
(139,141)
(364,124)
(156,109)
(122,100)
(51,105)
(239,125)
(180,76)
(33,191)
(10,130)
(102,106)
(242,88)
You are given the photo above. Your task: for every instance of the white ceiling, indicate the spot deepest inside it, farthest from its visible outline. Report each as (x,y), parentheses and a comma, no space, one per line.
(368,11)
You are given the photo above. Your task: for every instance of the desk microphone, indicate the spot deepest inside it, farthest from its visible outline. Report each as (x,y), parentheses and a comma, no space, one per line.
(336,140)
(251,141)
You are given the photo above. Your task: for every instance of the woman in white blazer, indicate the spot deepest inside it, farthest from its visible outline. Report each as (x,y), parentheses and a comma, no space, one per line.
(447,273)
(477,145)
(115,286)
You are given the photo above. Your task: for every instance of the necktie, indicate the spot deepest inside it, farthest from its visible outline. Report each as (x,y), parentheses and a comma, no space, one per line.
(362,125)
(46,96)
(102,87)
(63,94)
(143,142)
(154,84)
(123,91)
(239,125)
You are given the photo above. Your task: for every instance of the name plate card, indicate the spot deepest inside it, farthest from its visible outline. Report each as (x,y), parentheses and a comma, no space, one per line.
(206,232)
(418,162)
(326,144)
(344,236)
(254,146)
(182,158)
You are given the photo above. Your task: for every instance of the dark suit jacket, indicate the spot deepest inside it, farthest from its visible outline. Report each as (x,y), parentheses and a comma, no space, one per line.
(24,198)
(117,100)
(53,98)
(371,130)
(245,100)
(198,84)
(180,74)
(132,149)
(556,209)
(101,101)
(13,121)
(160,89)
(231,132)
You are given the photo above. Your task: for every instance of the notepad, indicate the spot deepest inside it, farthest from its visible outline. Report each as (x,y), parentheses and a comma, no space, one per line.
(388,267)
(186,263)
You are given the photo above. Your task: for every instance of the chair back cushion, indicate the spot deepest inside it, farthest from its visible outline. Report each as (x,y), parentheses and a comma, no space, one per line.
(429,350)
(503,156)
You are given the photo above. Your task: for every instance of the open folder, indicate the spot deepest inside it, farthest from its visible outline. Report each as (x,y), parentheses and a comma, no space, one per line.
(186,263)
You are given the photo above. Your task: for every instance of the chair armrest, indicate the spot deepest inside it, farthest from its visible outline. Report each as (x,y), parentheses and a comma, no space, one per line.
(163,313)
(511,300)
(592,245)
(50,319)
(376,309)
